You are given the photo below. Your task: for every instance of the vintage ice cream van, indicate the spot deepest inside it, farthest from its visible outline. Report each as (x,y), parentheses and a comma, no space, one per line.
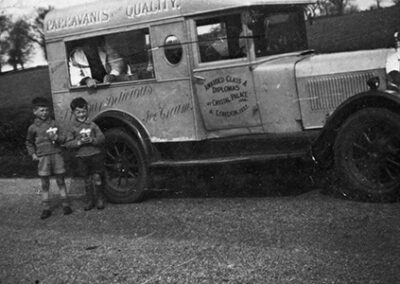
(195,82)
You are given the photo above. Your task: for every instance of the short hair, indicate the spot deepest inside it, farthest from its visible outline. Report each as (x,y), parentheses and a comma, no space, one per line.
(40,102)
(78,102)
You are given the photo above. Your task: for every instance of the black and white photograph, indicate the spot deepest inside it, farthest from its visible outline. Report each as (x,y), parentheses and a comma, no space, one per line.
(199,141)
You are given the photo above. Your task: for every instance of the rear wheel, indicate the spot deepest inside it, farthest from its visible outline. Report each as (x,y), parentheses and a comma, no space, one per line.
(126,170)
(367,155)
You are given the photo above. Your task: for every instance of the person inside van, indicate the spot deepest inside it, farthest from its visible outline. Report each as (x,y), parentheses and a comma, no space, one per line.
(134,47)
(93,61)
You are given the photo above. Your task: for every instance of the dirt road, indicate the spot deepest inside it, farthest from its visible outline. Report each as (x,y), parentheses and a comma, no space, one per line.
(306,238)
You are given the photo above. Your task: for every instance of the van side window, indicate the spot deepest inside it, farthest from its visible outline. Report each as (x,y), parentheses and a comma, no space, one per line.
(111,58)
(173,49)
(220,38)
(277,31)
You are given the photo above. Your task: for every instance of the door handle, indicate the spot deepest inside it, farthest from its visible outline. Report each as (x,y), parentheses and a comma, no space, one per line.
(199,79)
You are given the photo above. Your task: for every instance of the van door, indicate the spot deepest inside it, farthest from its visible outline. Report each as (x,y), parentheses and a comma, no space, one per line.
(170,56)
(171,111)
(223,79)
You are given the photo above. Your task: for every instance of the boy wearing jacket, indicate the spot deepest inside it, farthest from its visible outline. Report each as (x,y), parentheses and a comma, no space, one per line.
(88,139)
(43,142)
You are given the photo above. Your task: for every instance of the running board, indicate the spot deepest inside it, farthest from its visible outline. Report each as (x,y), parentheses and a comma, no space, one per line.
(227,160)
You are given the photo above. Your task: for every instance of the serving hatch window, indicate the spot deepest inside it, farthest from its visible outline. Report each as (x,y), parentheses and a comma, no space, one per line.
(220,38)
(111,58)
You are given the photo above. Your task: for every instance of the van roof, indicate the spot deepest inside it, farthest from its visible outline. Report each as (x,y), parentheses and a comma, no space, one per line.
(119,13)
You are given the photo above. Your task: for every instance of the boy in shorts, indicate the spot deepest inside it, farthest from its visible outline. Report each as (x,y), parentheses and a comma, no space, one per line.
(43,144)
(88,139)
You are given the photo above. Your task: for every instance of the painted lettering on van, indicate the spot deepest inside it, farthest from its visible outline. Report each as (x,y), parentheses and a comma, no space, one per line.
(124,97)
(240,96)
(228,96)
(128,95)
(225,89)
(80,20)
(214,82)
(95,107)
(67,115)
(150,7)
(166,112)
(231,113)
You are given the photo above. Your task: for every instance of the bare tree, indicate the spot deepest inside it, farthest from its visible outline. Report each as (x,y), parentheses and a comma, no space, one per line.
(20,40)
(352,8)
(376,5)
(324,6)
(38,27)
(4,44)
(336,7)
(339,6)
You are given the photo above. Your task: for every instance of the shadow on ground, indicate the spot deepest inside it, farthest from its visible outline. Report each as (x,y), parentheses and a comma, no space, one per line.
(269,179)
(277,178)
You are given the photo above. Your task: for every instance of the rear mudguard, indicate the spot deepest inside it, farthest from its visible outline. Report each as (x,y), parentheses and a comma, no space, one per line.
(114,118)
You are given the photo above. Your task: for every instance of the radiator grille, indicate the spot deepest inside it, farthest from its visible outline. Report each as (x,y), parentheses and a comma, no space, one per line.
(326,93)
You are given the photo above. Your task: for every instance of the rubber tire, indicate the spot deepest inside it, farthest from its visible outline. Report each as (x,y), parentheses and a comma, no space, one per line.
(352,182)
(136,192)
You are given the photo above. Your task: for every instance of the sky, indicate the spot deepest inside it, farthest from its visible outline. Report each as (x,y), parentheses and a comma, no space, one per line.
(18,8)
(26,7)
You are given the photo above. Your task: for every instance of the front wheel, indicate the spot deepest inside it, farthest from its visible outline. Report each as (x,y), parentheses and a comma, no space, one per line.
(367,155)
(126,170)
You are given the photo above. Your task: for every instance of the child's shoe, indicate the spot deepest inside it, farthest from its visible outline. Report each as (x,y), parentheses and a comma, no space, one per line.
(67,210)
(100,204)
(45,214)
(89,205)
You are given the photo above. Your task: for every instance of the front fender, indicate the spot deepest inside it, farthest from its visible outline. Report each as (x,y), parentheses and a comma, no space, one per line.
(322,147)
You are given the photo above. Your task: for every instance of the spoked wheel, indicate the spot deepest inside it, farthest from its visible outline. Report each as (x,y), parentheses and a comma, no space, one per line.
(367,155)
(126,168)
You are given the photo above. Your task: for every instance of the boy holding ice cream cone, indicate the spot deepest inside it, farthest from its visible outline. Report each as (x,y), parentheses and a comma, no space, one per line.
(88,139)
(43,145)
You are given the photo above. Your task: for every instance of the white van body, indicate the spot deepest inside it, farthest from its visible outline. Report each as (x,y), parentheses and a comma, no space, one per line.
(215,82)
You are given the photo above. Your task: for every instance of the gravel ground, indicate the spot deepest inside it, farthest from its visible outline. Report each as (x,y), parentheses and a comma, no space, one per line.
(305,238)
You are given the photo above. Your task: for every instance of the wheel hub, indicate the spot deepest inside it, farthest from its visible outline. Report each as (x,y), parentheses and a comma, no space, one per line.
(121,164)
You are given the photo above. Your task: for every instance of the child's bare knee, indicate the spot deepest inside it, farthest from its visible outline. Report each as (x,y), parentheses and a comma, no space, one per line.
(97,179)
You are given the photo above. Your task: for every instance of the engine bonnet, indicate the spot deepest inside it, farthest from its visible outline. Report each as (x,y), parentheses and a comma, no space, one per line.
(343,62)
